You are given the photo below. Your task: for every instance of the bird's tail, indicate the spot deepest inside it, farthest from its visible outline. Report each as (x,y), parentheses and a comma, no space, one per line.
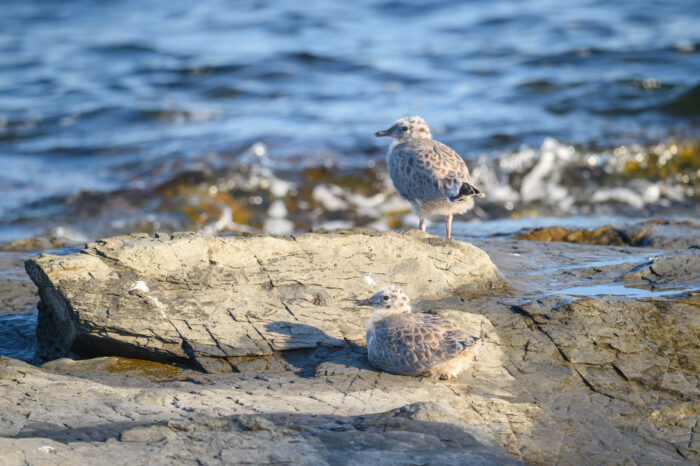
(466,190)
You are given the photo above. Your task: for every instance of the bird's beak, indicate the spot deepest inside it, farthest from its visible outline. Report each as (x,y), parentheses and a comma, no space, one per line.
(364,302)
(382,133)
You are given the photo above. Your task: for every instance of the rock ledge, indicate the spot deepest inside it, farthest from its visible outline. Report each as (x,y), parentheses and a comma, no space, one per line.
(187,297)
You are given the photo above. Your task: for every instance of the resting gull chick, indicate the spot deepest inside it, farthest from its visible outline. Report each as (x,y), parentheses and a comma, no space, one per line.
(427,173)
(417,344)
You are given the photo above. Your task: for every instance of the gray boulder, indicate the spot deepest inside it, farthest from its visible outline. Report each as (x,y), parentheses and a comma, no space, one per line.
(203,299)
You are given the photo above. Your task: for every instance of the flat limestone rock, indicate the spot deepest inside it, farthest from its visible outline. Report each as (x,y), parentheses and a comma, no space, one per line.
(189,297)
(560,380)
(130,425)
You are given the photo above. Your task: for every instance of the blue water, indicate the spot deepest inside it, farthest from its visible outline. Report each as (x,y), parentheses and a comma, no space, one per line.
(513,226)
(102,97)
(18,336)
(618,290)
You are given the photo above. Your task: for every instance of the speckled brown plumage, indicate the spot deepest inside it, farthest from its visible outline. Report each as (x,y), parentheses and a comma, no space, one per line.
(405,343)
(424,170)
(414,344)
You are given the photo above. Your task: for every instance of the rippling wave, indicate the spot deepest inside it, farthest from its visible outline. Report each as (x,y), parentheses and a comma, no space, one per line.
(251,194)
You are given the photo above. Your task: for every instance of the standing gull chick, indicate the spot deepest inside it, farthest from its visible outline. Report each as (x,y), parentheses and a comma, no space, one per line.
(427,173)
(414,344)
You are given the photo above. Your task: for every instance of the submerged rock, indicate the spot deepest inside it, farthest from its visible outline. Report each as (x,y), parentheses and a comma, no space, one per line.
(189,297)
(662,234)
(605,235)
(37,243)
(680,268)
(17,293)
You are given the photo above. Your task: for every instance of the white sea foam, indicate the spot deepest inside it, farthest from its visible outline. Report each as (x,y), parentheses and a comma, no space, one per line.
(329,196)
(336,225)
(623,195)
(277,209)
(278,226)
(280,188)
(543,181)
(64,231)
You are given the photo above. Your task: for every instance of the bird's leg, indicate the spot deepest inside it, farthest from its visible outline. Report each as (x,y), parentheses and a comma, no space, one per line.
(448,225)
(422,224)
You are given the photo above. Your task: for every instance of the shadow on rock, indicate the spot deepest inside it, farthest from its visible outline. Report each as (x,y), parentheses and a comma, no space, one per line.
(331,351)
(429,434)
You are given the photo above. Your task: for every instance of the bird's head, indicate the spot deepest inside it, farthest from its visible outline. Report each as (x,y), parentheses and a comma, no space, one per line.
(405,129)
(392,299)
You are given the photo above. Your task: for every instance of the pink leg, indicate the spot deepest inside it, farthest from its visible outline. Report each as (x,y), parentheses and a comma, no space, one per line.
(422,224)
(448,225)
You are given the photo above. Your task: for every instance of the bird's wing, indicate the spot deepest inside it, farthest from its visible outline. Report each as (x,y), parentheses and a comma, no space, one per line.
(450,162)
(425,169)
(412,344)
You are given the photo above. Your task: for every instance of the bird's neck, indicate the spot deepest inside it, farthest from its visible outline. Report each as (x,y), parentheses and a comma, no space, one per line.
(396,142)
(381,314)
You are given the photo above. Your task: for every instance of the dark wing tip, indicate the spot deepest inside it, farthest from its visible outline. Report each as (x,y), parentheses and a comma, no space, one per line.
(467,190)
(468,341)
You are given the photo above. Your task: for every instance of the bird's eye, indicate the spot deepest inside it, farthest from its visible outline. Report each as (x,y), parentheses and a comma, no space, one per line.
(404,128)
(385,298)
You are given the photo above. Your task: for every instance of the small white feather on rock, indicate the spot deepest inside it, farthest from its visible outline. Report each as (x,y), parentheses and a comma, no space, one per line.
(139,286)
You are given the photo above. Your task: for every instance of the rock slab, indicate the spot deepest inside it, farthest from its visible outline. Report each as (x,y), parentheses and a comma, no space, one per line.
(192,298)
(139,431)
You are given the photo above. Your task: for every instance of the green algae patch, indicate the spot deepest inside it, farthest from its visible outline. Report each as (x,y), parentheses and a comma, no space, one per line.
(678,160)
(130,367)
(142,367)
(605,236)
(652,233)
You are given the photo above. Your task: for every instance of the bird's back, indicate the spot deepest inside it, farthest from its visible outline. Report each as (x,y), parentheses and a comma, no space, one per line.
(424,169)
(412,344)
